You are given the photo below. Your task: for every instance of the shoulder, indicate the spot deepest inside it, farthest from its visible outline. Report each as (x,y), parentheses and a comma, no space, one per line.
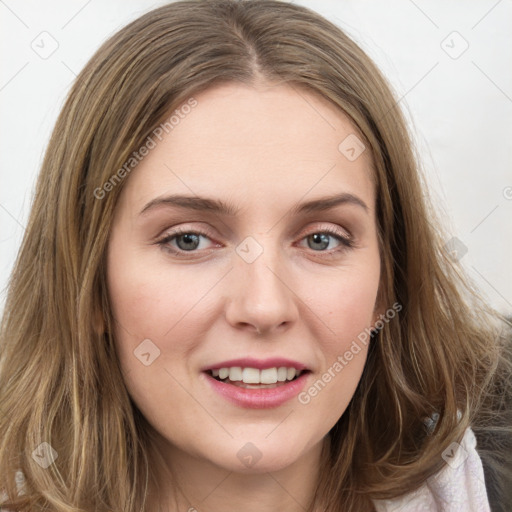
(459,486)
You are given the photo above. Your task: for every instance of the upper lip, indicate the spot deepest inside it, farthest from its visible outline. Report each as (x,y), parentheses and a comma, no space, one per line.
(260,364)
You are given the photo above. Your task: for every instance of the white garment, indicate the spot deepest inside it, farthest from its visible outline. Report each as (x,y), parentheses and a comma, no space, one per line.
(458,487)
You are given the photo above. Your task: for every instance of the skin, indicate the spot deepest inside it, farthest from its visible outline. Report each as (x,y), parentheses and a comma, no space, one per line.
(264,149)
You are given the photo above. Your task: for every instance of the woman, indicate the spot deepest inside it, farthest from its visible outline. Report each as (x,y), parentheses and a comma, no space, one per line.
(175,338)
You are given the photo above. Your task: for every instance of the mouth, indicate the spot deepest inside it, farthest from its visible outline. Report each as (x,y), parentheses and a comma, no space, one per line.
(243,384)
(254,378)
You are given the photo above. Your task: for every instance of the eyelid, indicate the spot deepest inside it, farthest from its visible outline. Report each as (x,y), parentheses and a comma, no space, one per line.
(176,232)
(338,231)
(345,240)
(344,237)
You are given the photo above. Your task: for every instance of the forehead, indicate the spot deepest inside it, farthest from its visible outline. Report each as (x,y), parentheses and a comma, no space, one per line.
(263,144)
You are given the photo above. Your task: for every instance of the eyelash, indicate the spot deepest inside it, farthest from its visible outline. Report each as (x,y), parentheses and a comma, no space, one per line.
(345,242)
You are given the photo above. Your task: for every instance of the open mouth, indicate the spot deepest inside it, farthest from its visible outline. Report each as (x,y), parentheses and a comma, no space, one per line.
(257,384)
(253,378)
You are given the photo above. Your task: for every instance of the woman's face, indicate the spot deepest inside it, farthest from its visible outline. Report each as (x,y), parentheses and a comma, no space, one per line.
(276,278)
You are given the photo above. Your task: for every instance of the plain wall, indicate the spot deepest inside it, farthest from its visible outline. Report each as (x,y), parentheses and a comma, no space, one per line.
(449,62)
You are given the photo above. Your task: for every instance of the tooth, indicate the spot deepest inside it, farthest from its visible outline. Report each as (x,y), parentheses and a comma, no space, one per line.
(281,374)
(215,373)
(290,373)
(251,375)
(235,373)
(268,376)
(223,373)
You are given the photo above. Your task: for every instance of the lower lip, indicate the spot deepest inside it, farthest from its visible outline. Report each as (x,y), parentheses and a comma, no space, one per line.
(264,398)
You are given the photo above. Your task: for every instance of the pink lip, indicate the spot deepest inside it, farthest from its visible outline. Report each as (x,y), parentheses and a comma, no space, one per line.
(265,398)
(260,364)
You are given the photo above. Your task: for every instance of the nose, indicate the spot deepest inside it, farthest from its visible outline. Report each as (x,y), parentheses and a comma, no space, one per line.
(260,296)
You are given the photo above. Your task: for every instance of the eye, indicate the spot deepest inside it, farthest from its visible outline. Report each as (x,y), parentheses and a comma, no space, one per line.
(186,241)
(321,240)
(182,241)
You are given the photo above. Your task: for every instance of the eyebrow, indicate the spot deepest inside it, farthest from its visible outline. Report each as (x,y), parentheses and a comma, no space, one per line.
(218,206)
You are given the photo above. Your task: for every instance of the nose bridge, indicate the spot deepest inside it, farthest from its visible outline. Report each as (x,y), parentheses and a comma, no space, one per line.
(260,261)
(260,294)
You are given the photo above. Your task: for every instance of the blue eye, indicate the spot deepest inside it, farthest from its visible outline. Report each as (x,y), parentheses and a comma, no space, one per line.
(322,238)
(188,241)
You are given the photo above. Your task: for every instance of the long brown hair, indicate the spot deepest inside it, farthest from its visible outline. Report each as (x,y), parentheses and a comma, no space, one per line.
(60,380)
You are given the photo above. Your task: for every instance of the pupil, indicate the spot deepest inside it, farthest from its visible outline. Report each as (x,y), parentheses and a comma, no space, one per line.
(189,238)
(317,238)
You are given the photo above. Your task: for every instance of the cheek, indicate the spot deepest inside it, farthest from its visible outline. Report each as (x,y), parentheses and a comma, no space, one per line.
(150,299)
(153,301)
(352,309)
(349,316)
(157,311)
(346,304)
(145,304)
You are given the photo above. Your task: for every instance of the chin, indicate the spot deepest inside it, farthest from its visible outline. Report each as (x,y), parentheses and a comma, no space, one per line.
(262,455)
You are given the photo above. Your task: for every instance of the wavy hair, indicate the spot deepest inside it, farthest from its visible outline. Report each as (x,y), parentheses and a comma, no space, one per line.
(60,379)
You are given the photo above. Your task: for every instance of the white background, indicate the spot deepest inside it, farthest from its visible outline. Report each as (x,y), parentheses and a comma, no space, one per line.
(460,109)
